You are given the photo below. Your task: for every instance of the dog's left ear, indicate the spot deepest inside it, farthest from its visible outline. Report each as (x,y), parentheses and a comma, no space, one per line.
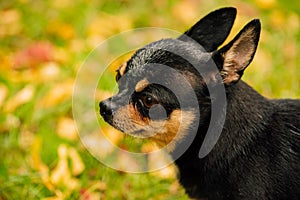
(234,58)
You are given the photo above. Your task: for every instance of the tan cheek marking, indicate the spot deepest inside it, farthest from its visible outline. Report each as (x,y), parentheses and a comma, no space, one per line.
(176,129)
(122,69)
(141,85)
(129,111)
(137,117)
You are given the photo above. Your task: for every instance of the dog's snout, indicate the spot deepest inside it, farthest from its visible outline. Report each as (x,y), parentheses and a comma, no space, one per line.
(106,109)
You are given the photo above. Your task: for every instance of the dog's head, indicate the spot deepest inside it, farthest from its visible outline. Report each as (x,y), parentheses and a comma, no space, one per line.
(157,83)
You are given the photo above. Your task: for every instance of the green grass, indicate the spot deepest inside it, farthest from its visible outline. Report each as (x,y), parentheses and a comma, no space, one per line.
(29,131)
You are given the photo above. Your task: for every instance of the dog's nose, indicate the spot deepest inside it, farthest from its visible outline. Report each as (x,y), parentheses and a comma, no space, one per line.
(106,109)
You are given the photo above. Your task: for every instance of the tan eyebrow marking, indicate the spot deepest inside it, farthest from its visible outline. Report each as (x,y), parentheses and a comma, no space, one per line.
(141,85)
(122,68)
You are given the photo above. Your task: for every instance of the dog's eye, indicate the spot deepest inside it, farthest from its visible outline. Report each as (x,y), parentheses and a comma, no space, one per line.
(148,101)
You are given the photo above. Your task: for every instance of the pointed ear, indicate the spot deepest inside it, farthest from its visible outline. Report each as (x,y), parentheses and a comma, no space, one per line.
(212,30)
(238,54)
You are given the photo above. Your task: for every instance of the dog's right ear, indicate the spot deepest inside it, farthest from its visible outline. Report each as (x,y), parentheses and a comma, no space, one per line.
(212,30)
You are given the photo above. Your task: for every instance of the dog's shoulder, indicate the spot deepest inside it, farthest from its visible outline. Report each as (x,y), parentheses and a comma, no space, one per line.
(285,124)
(287,104)
(288,111)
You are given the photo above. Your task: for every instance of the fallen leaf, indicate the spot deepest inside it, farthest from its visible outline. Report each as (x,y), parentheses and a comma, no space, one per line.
(61,29)
(98,145)
(22,97)
(77,166)
(11,122)
(266,4)
(87,195)
(66,128)
(49,71)
(61,172)
(61,55)
(33,55)
(10,22)
(26,139)
(3,94)
(105,25)
(58,93)
(185,11)
(160,160)
(113,135)
(127,163)
(38,165)
(149,147)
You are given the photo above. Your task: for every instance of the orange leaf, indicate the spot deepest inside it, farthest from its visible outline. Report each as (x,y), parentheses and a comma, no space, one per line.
(33,55)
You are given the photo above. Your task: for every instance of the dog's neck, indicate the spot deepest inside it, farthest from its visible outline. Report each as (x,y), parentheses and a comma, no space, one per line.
(245,112)
(246,115)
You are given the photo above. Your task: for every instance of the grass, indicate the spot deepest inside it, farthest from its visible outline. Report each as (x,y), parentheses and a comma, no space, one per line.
(42,46)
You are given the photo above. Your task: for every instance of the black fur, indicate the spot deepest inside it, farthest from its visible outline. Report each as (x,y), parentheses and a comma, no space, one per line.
(257,155)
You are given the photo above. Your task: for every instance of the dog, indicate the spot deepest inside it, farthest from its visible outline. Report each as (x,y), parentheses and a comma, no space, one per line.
(166,93)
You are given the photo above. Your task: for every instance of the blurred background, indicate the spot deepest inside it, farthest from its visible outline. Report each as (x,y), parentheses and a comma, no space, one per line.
(42,46)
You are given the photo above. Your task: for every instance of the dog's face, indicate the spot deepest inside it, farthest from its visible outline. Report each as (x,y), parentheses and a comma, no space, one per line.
(157,84)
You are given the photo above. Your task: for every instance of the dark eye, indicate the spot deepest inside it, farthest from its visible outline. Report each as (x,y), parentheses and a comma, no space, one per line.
(148,101)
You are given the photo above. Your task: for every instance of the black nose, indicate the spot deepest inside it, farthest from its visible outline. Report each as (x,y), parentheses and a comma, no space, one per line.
(107,108)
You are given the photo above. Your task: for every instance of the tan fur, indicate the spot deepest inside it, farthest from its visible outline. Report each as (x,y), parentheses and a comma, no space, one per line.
(141,85)
(128,119)
(122,68)
(165,133)
(137,117)
(175,129)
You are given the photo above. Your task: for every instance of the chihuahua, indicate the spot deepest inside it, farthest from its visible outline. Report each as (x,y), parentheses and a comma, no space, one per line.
(166,94)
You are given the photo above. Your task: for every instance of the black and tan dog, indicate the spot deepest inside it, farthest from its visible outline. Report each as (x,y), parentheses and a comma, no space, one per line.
(257,153)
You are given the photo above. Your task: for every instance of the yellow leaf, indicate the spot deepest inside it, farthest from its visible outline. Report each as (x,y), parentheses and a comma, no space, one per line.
(61,29)
(105,25)
(10,22)
(161,161)
(266,4)
(113,135)
(38,165)
(127,163)
(57,94)
(66,128)
(22,97)
(49,71)
(94,141)
(149,147)
(61,55)
(61,171)
(99,185)
(278,19)
(3,94)
(185,11)
(77,165)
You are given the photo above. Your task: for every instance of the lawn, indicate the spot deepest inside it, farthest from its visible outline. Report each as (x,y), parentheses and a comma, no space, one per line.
(43,46)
